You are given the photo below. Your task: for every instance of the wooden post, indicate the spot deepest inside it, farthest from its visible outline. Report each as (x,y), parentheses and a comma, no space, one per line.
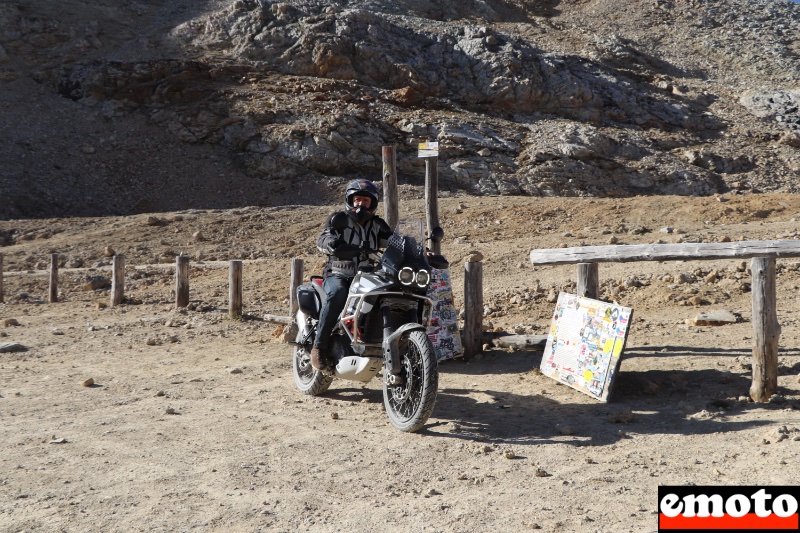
(181,281)
(588,280)
(296,281)
(290,331)
(431,198)
(235,290)
(766,330)
(52,296)
(390,202)
(1,278)
(473,309)
(117,280)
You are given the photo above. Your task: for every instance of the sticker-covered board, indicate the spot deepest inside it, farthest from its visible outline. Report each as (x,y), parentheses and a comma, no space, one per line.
(443,330)
(585,344)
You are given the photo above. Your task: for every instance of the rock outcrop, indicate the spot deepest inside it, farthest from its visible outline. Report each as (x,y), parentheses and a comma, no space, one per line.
(259,99)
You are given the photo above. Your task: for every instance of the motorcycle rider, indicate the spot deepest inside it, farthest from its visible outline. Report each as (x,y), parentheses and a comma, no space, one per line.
(365,229)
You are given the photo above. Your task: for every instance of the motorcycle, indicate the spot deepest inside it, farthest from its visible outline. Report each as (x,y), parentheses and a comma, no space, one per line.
(383,327)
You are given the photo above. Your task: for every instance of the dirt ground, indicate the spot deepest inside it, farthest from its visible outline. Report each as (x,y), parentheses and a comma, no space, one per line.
(194,422)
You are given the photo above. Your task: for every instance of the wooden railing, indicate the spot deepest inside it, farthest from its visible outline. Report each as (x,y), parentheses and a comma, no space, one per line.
(766,330)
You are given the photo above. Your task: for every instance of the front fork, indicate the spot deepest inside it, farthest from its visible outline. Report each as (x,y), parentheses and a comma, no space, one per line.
(391,343)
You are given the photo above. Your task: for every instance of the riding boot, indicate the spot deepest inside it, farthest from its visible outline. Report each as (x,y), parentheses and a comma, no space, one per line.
(317,358)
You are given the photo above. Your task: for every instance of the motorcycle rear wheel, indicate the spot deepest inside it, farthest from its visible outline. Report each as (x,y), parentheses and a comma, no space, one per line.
(410,404)
(309,380)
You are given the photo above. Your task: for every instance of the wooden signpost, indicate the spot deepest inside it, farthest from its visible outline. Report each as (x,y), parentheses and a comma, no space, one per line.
(390,201)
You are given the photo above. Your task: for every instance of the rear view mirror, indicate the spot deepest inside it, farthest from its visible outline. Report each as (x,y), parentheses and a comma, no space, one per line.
(436,234)
(438,261)
(339,221)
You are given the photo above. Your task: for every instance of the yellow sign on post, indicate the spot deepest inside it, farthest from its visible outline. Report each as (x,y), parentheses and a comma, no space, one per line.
(428,149)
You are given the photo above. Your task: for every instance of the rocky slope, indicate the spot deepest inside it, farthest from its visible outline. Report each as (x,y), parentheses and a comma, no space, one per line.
(117,107)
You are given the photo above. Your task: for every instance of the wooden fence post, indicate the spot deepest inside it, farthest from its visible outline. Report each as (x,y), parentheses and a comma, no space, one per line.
(390,205)
(473,308)
(52,296)
(431,198)
(235,290)
(181,281)
(296,279)
(766,330)
(588,280)
(117,280)
(1,278)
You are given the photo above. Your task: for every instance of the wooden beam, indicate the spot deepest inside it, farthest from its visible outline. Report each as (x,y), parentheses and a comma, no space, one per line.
(117,280)
(390,201)
(296,279)
(235,290)
(277,319)
(520,341)
(52,295)
(766,330)
(181,281)
(432,198)
(665,252)
(473,309)
(588,280)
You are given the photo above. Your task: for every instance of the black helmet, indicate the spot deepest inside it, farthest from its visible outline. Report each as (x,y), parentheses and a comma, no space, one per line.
(361,188)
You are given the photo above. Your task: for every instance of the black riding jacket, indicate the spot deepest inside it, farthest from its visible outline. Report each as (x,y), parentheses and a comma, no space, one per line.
(374,233)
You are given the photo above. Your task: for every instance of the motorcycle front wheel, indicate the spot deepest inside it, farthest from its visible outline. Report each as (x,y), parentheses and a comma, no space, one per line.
(410,404)
(309,380)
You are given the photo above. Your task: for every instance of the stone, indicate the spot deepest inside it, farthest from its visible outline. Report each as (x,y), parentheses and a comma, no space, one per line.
(152,221)
(625,416)
(236,370)
(94,283)
(88,383)
(713,318)
(12,347)
(75,262)
(108,251)
(564,429)
(198,236)
(10,322)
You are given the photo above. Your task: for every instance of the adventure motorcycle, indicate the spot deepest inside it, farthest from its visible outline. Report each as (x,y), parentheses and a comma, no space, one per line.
(383,327)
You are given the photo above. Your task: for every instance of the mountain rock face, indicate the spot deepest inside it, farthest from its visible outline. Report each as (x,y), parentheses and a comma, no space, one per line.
(117,107)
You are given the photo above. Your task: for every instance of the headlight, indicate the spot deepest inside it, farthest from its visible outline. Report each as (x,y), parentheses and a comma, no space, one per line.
(423,278)
(406,276)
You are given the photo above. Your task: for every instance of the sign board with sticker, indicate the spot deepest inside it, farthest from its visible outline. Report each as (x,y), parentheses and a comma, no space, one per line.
(428,149)
(443,330)
(585,343)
